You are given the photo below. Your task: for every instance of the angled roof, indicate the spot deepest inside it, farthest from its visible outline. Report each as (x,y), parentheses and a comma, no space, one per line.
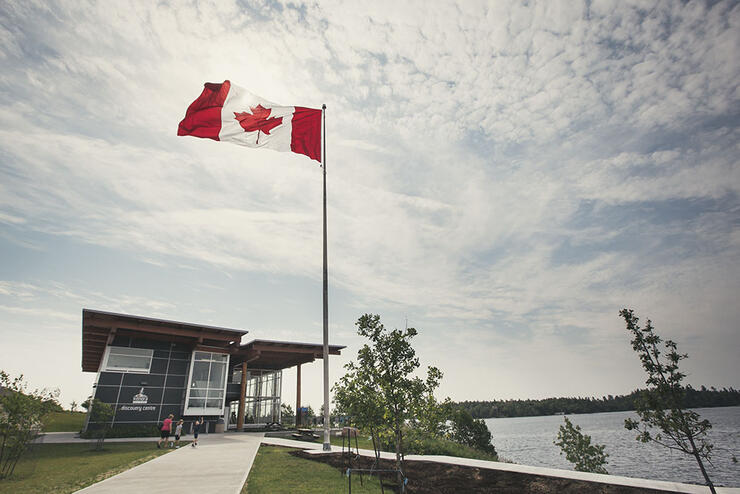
(100,327)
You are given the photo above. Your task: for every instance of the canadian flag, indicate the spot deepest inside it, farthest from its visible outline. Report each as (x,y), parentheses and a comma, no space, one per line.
(225,112)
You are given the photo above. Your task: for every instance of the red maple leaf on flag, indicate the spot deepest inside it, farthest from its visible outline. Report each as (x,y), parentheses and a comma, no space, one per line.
(257,120)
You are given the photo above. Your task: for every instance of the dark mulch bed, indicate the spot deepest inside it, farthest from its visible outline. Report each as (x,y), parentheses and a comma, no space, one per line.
(427,477)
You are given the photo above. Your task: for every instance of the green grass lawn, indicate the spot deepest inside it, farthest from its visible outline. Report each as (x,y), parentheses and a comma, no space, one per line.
(64,422)
(64,468)
(363,442)
(276,471)
(430,446)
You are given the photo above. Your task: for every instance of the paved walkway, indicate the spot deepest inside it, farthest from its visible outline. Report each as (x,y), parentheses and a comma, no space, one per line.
(220,464)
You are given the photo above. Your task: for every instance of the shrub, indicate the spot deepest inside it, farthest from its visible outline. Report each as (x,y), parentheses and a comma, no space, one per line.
(421,443)
(471,432)
(124,430)
(21,418)
(579,450)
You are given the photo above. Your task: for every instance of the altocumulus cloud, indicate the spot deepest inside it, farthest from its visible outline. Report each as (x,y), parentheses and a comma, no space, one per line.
(515,173)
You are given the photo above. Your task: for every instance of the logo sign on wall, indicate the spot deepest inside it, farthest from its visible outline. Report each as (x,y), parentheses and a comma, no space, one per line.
(140,397)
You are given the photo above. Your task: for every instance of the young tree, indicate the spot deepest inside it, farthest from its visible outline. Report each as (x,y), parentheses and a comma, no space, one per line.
(432,416)
(73,406)
(356,397)
(579,450)
(660,406)
(379,390)
(471,432)
(21,416)
(101,413)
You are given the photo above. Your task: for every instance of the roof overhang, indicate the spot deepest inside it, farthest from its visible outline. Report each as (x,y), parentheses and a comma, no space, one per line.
(99,328)
(268,354)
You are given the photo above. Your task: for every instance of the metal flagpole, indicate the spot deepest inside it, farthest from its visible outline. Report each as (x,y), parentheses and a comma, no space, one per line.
(327,444)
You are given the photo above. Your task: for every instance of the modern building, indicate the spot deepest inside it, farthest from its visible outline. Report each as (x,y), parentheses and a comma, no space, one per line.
(148,368)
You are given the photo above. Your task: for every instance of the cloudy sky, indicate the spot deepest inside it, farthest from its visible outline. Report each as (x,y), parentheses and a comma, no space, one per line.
(502,176)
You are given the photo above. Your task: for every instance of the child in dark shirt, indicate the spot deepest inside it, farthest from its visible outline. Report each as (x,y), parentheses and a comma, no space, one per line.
(196,430)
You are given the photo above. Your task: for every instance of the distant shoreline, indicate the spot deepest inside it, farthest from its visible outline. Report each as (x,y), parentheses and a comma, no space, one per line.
(594,413)
(695,398)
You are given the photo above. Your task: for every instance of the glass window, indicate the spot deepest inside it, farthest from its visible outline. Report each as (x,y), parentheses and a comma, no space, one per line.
(218,372)
(124,359)
(215,393)
(200,375)
(207,384)
(127,362)
(236,376)
(196,403)
(263,396)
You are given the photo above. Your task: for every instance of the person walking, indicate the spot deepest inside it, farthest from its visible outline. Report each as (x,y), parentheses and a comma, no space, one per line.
(196,430)
(178,432)
(164,433)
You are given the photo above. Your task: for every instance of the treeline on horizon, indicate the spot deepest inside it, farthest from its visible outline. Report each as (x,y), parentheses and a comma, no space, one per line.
(694,398)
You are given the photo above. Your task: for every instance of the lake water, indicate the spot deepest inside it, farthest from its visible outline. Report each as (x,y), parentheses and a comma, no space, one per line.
(529,441)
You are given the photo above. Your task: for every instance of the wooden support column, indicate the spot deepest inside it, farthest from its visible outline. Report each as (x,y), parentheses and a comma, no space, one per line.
(240,417)
(298,397)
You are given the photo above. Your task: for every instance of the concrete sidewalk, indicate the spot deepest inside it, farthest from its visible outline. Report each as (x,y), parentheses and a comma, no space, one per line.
(220,464)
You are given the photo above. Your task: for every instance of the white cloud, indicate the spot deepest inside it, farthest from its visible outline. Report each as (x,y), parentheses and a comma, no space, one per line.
(467,149)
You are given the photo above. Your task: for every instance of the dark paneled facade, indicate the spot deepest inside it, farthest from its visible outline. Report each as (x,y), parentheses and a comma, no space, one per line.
(164,386)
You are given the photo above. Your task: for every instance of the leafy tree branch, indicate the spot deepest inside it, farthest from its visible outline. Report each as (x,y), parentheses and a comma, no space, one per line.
(662,417)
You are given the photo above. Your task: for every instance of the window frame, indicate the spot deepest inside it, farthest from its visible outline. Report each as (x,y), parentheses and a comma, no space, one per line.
(206,410)
(138,352)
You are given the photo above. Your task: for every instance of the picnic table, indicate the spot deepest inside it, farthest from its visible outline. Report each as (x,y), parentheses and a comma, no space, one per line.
(305,435)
